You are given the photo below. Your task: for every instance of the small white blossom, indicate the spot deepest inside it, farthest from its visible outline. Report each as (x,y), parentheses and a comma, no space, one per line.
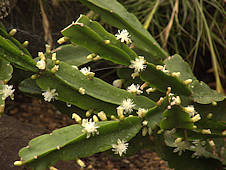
(134,89)
(7,91)
(138,64)
(89,127)
(128,105)
(141,112)
(124,36)
(87,72)
(120,147)
(174,100)
(190,110)
(41,64)
(50,94)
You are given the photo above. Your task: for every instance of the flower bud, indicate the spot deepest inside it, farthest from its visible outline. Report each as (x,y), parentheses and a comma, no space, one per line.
(18,163)
(62,40)
(95,118)
(25,44)
(77,118)
(117,83)
(144,131)
(82,91)
(12,32)
(107,41)
(48,49)
(206,131)
(175,74)
(102,116)
(54,56)
(188,81)
(80,163)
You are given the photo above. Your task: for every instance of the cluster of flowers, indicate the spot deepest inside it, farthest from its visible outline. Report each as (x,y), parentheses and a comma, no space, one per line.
(90,126)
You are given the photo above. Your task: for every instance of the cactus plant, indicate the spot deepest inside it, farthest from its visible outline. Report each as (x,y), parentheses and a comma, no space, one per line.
(181,113)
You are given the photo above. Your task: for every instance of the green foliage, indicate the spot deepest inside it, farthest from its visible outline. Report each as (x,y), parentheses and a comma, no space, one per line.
(162,81)
(201,93)
(183,115)
(73,143)
(6,71)
(116,15)
(73,55)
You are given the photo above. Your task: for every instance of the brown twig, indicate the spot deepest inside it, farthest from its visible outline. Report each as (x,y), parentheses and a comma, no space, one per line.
(169,26)
(46,26)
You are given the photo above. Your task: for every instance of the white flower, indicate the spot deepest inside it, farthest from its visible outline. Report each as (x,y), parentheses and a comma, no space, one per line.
(124,36)
(190,110)
(41,64)
(128,105)
(50,94)
(120,147)
(141,112)
(7,91)
(89,127)
(134,89)
(87,72)
(174,100)
(138,64)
